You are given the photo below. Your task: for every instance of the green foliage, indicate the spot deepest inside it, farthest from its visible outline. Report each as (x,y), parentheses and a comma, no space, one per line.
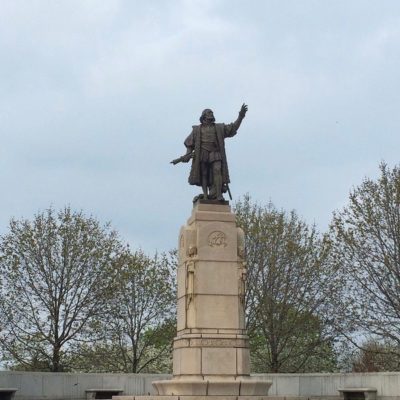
(139,325)
(316,354)
(112,356)
(366,237)
(290,287)
(374,356)
(57,275)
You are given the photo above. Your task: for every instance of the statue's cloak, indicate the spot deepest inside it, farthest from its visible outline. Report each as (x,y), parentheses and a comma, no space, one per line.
(193,142)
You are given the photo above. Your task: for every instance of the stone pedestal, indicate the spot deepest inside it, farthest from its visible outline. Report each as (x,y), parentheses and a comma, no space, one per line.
(211,349)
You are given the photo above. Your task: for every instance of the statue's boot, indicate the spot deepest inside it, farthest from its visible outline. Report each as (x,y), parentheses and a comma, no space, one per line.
(212,193)
(205,188)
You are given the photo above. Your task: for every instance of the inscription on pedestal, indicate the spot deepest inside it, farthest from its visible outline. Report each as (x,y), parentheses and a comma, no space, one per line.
(211,342)
(214,342)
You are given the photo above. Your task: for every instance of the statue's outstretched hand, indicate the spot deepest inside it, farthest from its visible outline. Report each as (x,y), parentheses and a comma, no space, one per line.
(186,158)
(243,111)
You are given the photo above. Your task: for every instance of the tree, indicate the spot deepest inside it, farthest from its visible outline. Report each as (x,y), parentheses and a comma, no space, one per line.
(58,272)
(366,237)
(140,322)
(290,285)
(374,356)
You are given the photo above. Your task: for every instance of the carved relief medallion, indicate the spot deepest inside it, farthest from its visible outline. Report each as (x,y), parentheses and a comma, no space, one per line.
(217,239)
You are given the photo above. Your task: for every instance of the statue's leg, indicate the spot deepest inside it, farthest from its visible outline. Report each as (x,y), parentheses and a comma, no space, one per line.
(212,193)
(204,179)
(217,175)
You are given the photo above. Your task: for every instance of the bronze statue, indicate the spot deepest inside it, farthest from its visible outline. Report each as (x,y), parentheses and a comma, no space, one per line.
(206,147)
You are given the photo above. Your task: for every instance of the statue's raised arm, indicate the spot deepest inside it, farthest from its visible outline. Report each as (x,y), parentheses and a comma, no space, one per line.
(206,147)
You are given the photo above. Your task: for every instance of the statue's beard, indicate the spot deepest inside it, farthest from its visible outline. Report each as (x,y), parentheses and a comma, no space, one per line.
(209,120)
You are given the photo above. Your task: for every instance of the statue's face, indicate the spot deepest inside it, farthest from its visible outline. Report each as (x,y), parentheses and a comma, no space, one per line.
(209,115)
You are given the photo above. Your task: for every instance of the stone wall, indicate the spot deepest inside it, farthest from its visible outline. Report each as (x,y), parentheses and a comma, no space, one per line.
(324,386)
(64,386)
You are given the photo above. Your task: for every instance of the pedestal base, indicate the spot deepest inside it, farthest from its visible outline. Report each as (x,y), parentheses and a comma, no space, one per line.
(200,398)
(244,388)
(241,386)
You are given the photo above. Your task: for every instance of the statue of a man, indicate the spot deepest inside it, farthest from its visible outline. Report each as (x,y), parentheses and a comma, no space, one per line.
(206,146)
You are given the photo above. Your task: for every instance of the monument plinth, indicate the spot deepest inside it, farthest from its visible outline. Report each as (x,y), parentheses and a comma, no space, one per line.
(211,350)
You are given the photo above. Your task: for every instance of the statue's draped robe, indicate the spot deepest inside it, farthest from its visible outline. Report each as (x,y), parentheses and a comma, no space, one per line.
(193,142)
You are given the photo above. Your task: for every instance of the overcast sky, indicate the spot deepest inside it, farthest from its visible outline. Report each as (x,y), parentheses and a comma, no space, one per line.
(96,97)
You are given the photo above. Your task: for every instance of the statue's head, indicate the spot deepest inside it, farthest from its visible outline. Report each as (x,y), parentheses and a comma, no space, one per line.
(207,116)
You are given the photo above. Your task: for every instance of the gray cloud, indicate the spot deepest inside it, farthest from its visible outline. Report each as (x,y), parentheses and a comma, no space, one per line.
(97,98)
